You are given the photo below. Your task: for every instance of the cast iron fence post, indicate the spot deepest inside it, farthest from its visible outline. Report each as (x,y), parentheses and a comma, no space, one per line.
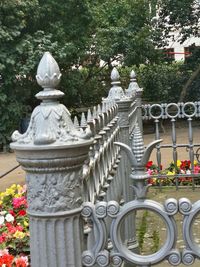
(124,103)
(137,92)
(52,152)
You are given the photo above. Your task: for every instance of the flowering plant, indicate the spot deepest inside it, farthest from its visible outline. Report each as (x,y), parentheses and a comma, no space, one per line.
(181,167)
(14,227)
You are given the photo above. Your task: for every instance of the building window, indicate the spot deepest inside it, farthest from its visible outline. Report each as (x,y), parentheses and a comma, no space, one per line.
(169,52)
(187,51)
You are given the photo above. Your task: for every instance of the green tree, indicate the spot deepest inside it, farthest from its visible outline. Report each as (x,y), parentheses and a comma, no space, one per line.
(28,28)
(180,15)
(123,31)
(78,33)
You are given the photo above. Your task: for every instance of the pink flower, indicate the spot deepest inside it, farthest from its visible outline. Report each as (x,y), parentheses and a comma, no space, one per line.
(18,202)
(196,169)
(3,252)
(150,172)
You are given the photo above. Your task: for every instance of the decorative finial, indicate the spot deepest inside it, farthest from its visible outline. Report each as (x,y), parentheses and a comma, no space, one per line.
(133,75)
(116,92)
(76,122)
(48,77)
(133,86)
(115,76)
(89,116)
(83,120)
(99,109)
(50,122)
(103,107)
(94,112)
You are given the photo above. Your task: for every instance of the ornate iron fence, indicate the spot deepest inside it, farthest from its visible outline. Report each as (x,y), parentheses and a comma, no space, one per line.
(78,179)
(175,112)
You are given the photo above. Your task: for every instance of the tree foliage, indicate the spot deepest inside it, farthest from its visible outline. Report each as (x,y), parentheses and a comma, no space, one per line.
(124,31)
(180,16)
(28,28)
(79,33)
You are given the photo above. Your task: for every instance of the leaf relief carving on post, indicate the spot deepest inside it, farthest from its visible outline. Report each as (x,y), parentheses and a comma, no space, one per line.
(53,193)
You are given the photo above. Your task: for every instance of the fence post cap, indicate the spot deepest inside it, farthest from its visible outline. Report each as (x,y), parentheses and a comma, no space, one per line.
(50,123)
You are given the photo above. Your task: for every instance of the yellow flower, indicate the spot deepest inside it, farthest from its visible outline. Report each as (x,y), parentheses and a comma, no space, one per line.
(14,186)
(26,224)
(178,163)
(170,173)
(2,195)
(19,234)
(9,191)
(195,163)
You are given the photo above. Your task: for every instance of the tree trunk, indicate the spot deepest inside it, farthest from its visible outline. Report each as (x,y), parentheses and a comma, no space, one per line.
(188,83)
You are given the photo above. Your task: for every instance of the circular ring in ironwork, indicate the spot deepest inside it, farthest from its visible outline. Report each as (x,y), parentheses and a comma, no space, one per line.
(187,228)
(189,104)
(161,111)
(144,112)
(197,154)
(172,105)
(132,257)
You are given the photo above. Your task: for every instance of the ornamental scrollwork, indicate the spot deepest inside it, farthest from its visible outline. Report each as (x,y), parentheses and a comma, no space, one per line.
(98,254)
(120,252)
(53,192)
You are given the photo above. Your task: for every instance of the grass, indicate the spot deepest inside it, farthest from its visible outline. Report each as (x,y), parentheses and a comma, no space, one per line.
(151,229)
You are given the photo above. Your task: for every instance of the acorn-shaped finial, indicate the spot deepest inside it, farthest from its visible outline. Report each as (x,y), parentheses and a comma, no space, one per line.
(48,77)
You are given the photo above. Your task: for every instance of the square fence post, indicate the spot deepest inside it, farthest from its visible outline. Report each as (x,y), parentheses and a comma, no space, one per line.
(52,152)
(127,116)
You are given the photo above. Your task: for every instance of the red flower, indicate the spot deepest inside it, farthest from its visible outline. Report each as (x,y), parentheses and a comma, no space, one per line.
(7,259)
(22,213)
(21,262)
(11,228)
(19,228)
(3,238)
(185,164)
(149,164)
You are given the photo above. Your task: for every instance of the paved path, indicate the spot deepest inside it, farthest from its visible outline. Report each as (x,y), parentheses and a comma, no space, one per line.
(7,162)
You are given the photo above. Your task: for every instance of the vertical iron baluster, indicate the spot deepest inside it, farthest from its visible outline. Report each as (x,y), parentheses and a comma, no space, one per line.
(158,152)
(191,148)
(174,149)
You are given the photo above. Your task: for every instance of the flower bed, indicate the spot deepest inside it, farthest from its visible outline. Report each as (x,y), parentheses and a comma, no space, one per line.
(14,228)
(183,167)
